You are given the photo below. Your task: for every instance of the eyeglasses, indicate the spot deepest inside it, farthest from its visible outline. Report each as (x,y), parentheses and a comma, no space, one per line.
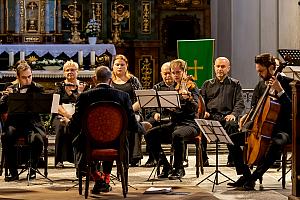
(70,70)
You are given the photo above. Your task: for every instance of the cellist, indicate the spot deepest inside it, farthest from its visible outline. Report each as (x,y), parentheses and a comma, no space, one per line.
(279,90)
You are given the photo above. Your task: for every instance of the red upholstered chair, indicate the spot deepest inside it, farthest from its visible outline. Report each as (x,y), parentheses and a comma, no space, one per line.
(105,126)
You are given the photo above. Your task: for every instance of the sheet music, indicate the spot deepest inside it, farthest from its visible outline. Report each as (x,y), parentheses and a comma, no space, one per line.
(147,98)
(69,107)
(55,103)
(213,131)
(169,99)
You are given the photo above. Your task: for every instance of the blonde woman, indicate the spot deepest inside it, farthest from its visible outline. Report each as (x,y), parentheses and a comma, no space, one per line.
(69,90)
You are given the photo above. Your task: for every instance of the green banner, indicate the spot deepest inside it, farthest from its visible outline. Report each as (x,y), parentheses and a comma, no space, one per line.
(199,57)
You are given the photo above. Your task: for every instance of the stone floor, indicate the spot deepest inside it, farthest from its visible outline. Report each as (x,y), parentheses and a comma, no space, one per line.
(64,185)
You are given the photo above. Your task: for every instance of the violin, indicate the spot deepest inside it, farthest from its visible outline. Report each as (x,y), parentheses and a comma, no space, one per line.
(186,85)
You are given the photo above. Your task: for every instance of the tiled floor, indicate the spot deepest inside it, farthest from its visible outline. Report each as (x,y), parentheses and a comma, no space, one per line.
(64,179)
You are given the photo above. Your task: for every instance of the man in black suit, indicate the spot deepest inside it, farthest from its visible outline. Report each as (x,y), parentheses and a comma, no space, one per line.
(16,125)
(280,91)
(102,92)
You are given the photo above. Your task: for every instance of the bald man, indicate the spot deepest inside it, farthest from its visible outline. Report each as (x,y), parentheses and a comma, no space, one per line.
(223,99)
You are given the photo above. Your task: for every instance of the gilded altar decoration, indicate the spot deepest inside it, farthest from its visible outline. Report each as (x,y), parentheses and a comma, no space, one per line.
(32,17)
(146,66)
(146,17)
(120,17)
(73,14)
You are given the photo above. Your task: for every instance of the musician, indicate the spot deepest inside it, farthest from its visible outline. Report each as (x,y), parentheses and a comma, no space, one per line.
(181,127)
(223,99)
(125,81)
(102,92)
(280,91)
(28,125)
(167,84)
(69,90)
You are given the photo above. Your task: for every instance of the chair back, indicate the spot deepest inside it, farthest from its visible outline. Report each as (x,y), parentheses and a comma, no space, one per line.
(104,122)
(201,108)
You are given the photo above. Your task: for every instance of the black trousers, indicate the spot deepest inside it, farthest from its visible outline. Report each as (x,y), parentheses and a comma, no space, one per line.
(63,142)
(176,134)
(231,127)
(274,151)
(35,140)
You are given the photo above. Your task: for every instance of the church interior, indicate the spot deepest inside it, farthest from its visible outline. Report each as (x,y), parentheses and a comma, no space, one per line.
(48,33)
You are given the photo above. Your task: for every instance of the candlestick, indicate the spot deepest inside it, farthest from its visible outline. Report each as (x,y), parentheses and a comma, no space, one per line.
(11,58)
(80,59)
(93,58)
(22,55)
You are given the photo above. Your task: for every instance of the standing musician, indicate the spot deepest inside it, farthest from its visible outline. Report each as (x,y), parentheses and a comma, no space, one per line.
(181,127)
(22,124)
(281,133)
(69,89)
(224,101)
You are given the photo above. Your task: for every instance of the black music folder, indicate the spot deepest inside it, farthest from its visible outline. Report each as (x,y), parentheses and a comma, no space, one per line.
(32,103)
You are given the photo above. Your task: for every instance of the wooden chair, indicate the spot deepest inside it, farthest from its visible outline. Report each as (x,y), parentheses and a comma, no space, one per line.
(104,141)
(284,161)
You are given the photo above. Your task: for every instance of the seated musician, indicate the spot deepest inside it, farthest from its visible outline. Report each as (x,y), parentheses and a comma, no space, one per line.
(280,91)
(69,89)
(28,125)
(102,92)
(224,101)
(154,115)
(181,127)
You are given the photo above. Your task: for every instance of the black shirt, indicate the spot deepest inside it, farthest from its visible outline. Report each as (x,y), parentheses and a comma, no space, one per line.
(223,97)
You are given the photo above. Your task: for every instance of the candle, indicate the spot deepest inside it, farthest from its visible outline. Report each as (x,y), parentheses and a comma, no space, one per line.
(80,57)
(11,58)
(93,57)
(22,55)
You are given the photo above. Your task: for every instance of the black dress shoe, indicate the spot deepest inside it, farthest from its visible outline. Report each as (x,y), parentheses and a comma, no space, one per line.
(177,174)
(101,186)
(165,173)
(230,164)
(11,178)
(249,185)
(239,183)
(206,163)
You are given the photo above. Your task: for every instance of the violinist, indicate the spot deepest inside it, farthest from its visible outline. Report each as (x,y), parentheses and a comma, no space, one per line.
(279,91)
(223,99)
(181,127)
(69,90)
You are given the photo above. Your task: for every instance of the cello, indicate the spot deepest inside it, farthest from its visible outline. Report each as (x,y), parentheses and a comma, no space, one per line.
(259,124)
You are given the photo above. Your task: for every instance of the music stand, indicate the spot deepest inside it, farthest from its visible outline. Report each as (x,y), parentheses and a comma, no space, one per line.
(214,133)
(19,103)
(292,56)
(157,99)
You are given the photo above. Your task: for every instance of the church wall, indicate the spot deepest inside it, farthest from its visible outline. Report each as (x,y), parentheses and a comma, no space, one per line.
(255,27)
